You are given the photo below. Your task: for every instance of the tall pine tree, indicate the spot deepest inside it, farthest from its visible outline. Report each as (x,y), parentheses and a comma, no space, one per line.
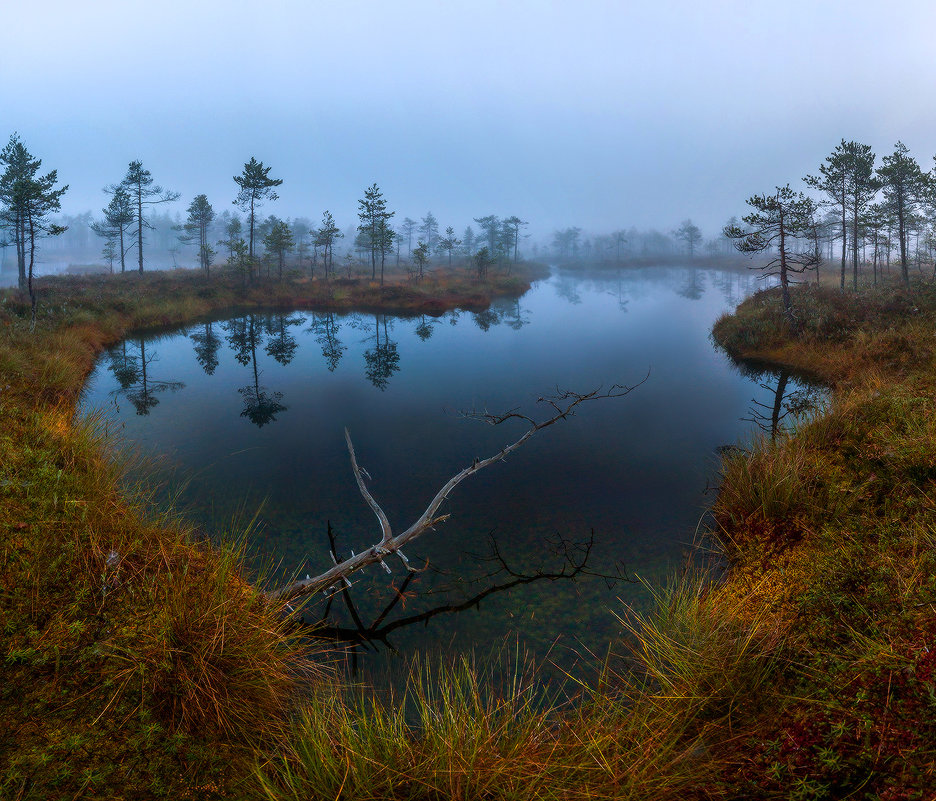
(256,185)
(26,201)
(778,221)
(374,228)
(143,193)
(906,188)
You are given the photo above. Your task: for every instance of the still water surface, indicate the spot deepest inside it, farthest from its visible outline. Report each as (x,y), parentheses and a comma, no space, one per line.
(247,413)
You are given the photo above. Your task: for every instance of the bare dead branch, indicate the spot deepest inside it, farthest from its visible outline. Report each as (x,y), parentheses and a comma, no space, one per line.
(563,404)
(375,507)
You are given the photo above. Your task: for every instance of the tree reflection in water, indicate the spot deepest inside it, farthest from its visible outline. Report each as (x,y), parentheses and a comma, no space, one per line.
(787,403)
(382,360)
(325,328)
(260,404)
(485,319)
(424,327)
(281,345)
(206,343)
(517,317)
(694,286)
(133,377)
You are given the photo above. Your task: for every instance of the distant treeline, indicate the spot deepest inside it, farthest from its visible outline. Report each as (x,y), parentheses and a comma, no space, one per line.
(135,229)
(573,244)
(141,226)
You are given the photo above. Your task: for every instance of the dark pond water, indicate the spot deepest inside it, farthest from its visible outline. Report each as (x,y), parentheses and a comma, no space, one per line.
(247,413)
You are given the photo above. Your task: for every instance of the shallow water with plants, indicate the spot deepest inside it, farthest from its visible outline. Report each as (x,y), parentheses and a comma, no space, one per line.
(244,415)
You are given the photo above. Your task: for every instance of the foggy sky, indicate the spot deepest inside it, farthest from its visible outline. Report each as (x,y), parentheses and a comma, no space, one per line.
(592,113)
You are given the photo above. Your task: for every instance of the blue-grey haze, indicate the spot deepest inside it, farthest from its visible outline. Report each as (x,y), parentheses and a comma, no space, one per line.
(597,113)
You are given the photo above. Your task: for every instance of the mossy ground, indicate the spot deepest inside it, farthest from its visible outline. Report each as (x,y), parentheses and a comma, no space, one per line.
(833,530)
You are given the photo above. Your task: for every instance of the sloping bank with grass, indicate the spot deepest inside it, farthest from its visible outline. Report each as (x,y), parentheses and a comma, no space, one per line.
(831,536)
(140,663)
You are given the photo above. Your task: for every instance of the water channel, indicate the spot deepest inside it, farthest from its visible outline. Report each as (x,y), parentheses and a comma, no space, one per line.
(244,415)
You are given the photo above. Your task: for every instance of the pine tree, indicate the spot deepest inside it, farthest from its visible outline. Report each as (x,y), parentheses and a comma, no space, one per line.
(861,187)
(833,180)
(232,231)
(255,187)
(468,241)
(514,224)
(139,185)
(200,215)
(429,230)
(279,241)
(26,201)
(449,243)
(482,260)
(778,221)
(689,233)
(420,257)
(490,225)
(325,238)
(905,188)
(118,217)
(875,223)
(406,230)
(376,233)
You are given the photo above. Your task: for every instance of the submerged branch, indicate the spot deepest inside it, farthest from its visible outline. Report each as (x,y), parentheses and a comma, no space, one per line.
(563,405)
(575,557)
